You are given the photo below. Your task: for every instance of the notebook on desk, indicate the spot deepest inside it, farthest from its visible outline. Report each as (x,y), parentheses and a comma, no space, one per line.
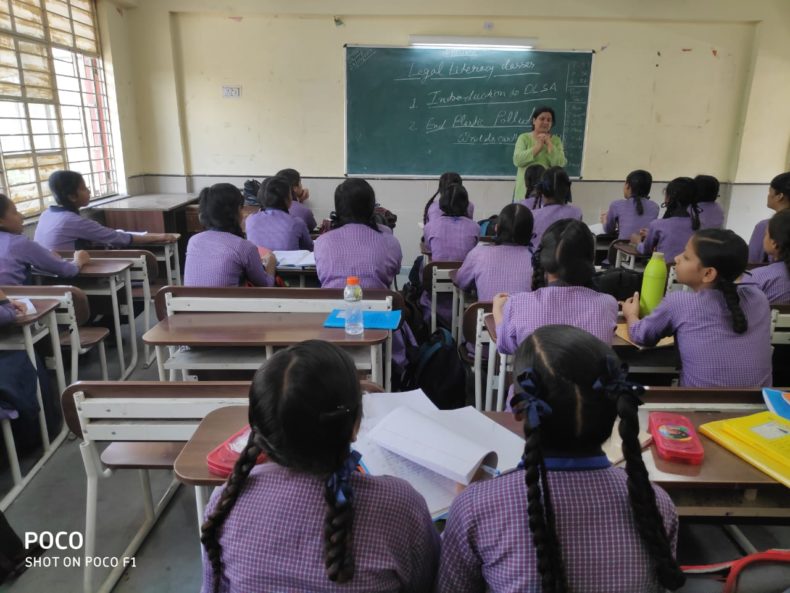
(370,319)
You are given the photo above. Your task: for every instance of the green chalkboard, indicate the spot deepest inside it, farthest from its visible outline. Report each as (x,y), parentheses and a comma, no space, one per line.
(423,111)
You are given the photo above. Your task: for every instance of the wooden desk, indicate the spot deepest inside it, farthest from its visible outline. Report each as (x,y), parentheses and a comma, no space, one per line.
(234,340)
(106,277)
(34,327)
(155,213)
(723,487)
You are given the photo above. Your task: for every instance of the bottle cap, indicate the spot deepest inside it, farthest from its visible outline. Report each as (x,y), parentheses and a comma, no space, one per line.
(352,280)
(658,255)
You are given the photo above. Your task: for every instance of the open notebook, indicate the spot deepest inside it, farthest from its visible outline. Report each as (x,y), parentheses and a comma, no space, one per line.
(440,451)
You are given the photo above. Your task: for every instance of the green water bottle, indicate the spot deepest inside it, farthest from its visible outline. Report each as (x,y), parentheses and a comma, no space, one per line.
(654,282)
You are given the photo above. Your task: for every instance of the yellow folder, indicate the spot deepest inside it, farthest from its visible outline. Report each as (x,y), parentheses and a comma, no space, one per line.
(761,439)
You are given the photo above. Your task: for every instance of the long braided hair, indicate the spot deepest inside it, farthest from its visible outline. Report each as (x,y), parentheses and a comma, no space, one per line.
(566,249)
(640,182)
(446,179)
(573,387)
(305,403)
(682,200)
(725,251)
(779,233)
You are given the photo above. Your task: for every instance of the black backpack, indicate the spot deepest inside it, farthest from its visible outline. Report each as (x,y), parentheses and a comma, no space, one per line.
(436,368)
(621,283)
(412,312)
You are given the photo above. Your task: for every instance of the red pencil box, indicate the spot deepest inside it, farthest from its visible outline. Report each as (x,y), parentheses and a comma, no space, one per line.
(222,459)
(676,438)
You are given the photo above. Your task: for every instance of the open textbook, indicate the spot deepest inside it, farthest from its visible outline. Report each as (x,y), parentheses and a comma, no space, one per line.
(440,451)
(299,258)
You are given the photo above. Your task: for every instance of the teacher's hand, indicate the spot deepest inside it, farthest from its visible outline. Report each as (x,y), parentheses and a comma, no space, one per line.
(548,143)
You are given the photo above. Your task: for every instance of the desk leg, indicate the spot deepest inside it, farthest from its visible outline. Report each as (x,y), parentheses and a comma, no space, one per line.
(375,364)
(201,499)
(176,263)
(54,335)
(489,401)
(388,364)
(478,373)
(130,319)
(500,389)
(116,317)
(42,420)
(160,362)
(454,316)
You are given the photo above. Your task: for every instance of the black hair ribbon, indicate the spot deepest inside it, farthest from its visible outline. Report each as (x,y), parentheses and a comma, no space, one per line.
(615,384)
(528,402)
(339,481)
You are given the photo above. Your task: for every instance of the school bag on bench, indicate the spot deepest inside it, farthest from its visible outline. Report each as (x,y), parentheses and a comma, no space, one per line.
(621,283)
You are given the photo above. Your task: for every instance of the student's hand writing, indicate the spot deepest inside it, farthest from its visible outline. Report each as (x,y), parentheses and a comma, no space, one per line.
(81,258)
(631,308)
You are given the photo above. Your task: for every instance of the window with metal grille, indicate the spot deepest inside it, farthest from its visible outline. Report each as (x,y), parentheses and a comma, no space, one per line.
(54,111)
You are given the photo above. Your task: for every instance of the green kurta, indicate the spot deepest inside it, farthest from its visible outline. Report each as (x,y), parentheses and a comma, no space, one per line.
(523,158)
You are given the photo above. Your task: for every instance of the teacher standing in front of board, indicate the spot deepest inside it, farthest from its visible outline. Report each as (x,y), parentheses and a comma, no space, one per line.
(538,147)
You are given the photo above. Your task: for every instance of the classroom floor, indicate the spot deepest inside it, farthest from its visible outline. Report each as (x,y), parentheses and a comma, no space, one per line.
(169,560)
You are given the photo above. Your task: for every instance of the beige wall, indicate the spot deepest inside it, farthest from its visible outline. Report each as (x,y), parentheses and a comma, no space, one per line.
(677,87)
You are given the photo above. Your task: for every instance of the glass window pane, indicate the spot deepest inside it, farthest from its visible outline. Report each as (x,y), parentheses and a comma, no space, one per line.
(82,16)
(28,208)
(83,4)
(75,140)
(61,37)
(24,192)
(84,30)
(44,126)
(32,62)
(46,141)
(86,44)
(30,28)
(68,83)
(27,10)
(41,111)
(36,92)
(8,57)
(33,78)
(10,90)
(9,74)
(12,109)
(77,154)
(13,126)
(18,162)
(20,176)
(60,7)
(14,143)
(64,68)
(62,23)
(69,98)
(55,159)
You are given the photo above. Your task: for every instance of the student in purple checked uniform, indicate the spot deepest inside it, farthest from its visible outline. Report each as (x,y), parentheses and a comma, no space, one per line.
(432,208)
(637,211)
(778,199)
(532,177)
(722,330)
(220,255)
(300,195)
(561,290)
(551,204)
(711,214)
(774,279)
(274,228)
(566,520)
(307,519)
(670,233)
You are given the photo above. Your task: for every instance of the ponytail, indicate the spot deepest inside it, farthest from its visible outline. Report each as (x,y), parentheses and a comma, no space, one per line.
(728,254)
(640,209)
(428,207)
(445,179)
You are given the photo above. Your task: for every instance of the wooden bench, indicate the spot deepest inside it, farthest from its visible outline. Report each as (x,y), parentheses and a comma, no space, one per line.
(249,351)
(147,424)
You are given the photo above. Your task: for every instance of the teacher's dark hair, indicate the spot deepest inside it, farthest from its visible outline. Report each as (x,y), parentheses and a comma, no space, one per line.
(543,109)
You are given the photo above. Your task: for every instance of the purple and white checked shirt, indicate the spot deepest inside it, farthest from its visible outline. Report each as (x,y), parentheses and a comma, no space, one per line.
(301,211)
(18,254)
(450,238)
(434,211)
(59,229)
(7,312)
(623,217)
(594,312)
(273,539)
(711,353)
(219,259)
(487,545)
(711,215)
(528,202)
(773,280)
(496,268)
(548,215)
(278,231)
(357,250)
(756,252)
(667,235)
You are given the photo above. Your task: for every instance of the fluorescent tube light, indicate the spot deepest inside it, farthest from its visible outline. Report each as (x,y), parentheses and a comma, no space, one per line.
(449,41)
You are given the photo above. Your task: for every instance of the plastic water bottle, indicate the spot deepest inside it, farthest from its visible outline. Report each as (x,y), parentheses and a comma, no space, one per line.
(654,282)
(352,295)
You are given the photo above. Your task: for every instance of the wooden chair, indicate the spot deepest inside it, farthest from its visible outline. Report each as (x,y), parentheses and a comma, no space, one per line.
(147,423)
(436,280)
(72,315)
